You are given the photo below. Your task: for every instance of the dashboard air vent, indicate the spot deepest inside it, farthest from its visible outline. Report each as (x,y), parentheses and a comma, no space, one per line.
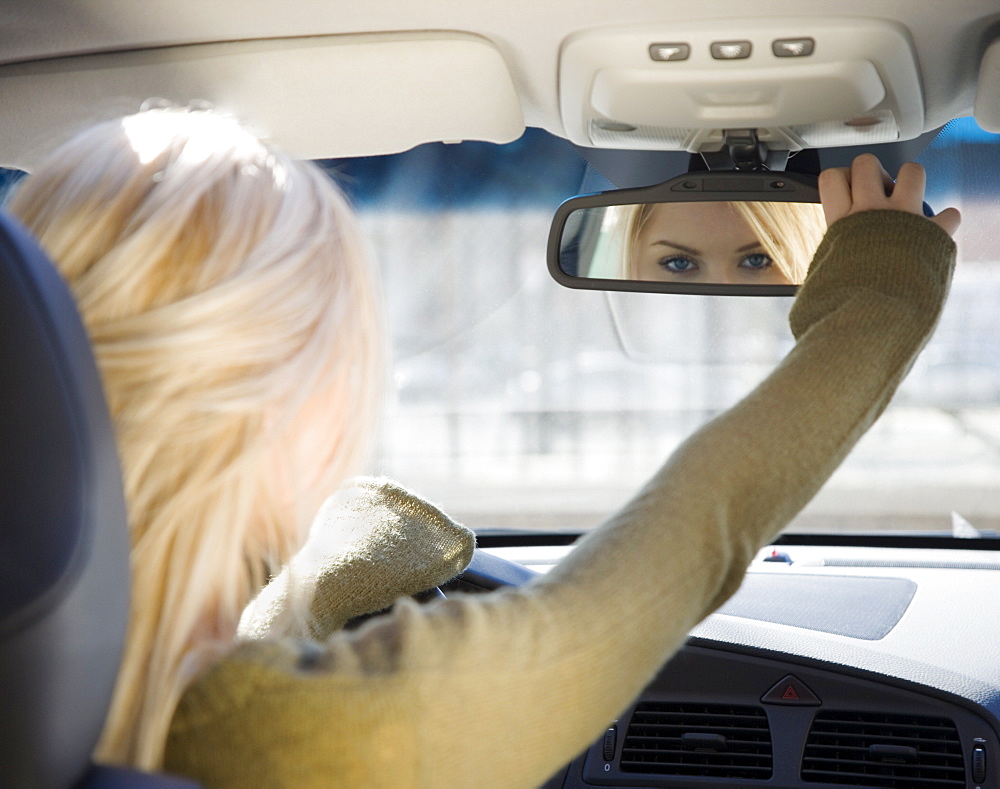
(875,749)
(712,740)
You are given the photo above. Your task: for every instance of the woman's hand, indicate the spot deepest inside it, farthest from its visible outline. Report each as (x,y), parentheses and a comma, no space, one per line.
(865,185)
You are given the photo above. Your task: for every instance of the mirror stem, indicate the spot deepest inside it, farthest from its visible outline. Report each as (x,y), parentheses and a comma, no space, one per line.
(743,151)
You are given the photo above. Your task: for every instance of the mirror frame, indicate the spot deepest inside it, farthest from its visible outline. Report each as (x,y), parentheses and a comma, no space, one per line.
(705,186)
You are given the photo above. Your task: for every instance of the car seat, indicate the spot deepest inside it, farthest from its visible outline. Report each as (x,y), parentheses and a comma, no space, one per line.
(64,575)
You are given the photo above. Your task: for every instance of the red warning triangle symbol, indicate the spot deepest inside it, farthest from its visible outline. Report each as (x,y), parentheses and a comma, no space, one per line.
(790,690)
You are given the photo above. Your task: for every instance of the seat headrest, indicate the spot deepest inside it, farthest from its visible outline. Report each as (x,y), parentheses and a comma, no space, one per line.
(64,579)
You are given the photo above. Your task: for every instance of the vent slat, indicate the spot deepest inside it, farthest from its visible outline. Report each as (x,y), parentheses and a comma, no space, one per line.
(842,752)
(706,771)
(655,743)
(855,765)
(844,748)
(679,753)
(645,727)
(666,742)
(920,742)
(850,725)
(722,716)
(891,781)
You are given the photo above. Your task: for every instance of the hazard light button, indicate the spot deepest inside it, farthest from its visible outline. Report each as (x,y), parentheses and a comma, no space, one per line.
(792,691)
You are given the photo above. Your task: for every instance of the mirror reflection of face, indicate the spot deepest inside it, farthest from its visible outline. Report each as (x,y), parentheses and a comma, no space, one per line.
(701,243)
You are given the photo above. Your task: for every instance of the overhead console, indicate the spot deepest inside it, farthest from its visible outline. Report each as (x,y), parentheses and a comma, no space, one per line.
(798,82)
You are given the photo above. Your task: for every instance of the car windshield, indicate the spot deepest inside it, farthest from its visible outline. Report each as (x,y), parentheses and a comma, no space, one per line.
(519,405)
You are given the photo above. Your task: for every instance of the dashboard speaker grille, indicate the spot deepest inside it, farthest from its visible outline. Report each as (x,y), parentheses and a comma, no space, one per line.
(880,750)
(712,740)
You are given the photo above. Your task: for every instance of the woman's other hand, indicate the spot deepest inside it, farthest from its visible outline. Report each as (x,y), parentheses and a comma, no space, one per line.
(865,185)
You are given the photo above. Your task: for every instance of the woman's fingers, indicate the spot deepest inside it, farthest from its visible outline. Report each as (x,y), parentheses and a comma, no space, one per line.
(909,192)
(870,183)
(948,220)
(846,190)
(866,186)
(909,196)
(835,193)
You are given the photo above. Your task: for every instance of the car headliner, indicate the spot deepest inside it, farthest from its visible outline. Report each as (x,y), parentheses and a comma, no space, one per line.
(337,109)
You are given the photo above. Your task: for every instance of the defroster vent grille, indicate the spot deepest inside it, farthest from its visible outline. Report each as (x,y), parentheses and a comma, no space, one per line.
(881,750)
(712,740)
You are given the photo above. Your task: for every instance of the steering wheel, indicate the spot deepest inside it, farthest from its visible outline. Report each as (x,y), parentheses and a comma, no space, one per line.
(485,573)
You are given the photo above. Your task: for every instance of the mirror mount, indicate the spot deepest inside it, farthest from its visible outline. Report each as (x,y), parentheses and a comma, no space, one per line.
(743,151)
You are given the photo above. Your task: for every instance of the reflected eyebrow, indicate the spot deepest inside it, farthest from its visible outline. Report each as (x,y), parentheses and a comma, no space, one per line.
(665,243)
(681,247)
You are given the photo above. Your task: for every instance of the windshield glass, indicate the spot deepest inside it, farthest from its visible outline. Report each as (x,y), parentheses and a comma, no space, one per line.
(521,405)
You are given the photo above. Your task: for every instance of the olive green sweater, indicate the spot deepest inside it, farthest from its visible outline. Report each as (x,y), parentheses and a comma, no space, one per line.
(503,689)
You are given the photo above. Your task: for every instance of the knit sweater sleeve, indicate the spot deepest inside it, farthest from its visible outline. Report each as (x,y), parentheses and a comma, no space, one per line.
(370,544)
(512,685)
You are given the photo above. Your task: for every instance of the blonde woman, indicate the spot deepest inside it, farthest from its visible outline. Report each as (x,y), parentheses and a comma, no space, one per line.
(730,243)
(234,318)
(234,323)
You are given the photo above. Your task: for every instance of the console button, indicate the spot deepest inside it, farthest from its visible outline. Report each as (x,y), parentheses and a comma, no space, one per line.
(793,47)
(731,50)
(675,51)
(791,691)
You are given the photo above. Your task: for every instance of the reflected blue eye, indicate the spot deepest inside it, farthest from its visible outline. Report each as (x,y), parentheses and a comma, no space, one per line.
(757,261)
(678,264)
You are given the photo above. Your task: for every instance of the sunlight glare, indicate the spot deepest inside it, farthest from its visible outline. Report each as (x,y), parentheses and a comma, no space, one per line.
(151,133)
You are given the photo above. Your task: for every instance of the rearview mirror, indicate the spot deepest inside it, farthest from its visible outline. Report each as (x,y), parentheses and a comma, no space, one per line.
(735,233)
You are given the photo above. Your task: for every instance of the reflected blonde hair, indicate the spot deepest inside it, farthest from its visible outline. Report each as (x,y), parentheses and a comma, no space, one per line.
(789,233)
(228,298)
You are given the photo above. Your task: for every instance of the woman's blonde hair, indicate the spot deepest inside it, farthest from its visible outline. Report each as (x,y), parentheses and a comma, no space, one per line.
(789,232)
(234,316)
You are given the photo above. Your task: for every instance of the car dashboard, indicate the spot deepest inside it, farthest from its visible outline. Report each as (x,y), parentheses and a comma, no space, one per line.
(831,666)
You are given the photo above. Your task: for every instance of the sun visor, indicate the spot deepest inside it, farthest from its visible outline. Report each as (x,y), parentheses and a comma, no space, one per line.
(801,83)
(319,96)
(988,90)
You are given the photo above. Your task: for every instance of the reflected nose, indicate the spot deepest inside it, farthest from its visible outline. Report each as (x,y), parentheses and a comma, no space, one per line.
(723,274)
